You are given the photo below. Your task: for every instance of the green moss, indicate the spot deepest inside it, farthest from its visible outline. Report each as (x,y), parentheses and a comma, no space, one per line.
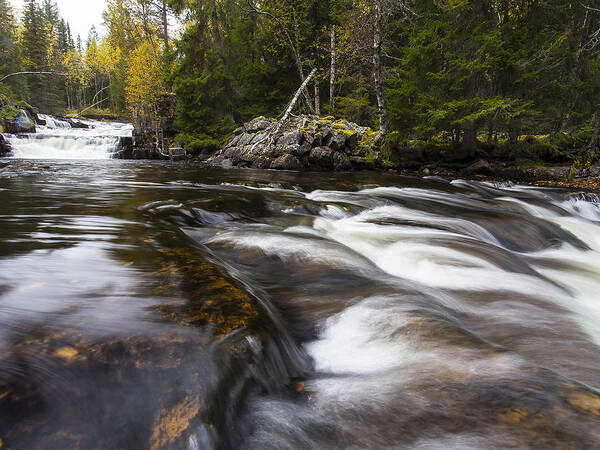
(197,143)
(347,132)
(9,112)
(23,105)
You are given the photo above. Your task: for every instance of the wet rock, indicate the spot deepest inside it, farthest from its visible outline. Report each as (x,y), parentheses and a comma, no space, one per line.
(341,161)
(287,162)
(262,162)
(480,167)
(77,124)
(321,156)
(172,422)
(4,146)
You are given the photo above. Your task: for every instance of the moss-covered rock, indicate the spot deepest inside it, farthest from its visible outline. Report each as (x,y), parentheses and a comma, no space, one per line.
(15,120)
(305,142)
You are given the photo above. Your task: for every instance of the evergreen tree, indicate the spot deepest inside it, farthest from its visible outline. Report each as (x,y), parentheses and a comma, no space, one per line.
(9,51)
(35,45)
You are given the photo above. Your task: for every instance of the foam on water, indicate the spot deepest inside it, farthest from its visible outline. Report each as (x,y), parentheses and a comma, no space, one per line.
(58,140)
(478,267)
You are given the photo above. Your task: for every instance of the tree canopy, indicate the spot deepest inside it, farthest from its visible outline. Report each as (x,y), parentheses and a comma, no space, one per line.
(435,69)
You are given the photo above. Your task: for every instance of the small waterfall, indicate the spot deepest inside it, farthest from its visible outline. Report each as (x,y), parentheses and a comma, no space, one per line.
(59,140)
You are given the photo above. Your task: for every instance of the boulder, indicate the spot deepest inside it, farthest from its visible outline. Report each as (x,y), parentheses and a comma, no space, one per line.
(313,139)
(341,161)
(235,141)
(326,134)
(352,140)
(244,139)
(295,137)
(259,138)
(337,141)
(320,143)
(321,156)
(298,150)
(77,123)
(262,162)
(480,167)
(4,146)
(21,123)
(256,125)
(287,162)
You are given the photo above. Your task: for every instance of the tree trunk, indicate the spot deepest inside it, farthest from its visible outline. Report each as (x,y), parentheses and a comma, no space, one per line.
(469,140)
(317,98)
(470,143)
(297,58)
(332,71)
(165,23)
(596,138)
(378,76)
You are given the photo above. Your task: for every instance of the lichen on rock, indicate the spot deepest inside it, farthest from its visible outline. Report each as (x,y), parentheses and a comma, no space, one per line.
(301,143)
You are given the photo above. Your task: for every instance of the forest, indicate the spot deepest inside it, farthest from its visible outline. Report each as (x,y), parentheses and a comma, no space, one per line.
(460,74)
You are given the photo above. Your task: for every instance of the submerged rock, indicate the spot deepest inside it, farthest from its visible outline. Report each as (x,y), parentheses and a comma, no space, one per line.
(302,143)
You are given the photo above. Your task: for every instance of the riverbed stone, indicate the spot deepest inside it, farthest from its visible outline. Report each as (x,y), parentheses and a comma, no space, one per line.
(321,156)
(481,167)
(341,161)
(262,162)
(287,162)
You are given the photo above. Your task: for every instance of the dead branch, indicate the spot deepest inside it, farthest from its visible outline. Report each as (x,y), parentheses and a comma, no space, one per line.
(33,73)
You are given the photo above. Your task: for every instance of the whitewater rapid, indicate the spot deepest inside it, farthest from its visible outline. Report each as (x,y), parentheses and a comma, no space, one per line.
(277,310)
(58,140)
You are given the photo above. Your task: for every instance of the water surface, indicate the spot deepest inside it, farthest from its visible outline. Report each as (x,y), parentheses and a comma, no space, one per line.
(166,305)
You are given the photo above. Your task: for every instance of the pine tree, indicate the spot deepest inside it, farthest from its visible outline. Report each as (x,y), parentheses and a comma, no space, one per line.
(35,46)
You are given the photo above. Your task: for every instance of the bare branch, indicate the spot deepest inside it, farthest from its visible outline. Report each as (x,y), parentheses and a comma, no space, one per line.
(297,58)
(34,73)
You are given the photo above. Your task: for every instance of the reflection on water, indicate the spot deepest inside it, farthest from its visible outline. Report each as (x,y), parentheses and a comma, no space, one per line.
(177,306)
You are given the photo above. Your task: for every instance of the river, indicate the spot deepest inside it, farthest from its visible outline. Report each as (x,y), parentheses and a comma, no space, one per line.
(173,305)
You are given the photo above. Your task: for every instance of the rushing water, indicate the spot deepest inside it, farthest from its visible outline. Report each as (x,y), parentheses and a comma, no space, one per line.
(172,305)
(57,140)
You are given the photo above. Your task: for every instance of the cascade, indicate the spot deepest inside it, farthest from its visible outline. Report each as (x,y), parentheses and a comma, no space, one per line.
(59,140)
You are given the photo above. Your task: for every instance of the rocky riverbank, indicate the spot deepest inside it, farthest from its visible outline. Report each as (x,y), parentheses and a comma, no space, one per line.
(309,143)
(301,143)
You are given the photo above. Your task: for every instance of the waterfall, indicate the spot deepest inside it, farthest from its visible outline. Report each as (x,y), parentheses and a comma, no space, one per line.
(59,140)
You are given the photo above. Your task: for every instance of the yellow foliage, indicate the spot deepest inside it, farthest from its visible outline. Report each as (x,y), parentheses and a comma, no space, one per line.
(144,82)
